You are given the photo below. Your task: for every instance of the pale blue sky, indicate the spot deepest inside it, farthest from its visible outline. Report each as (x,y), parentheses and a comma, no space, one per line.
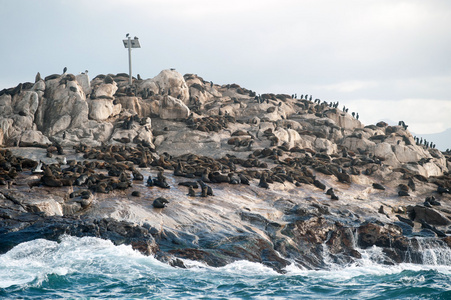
(386,59)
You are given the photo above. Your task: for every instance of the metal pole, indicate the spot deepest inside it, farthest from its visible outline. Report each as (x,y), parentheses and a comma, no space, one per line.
(130,60)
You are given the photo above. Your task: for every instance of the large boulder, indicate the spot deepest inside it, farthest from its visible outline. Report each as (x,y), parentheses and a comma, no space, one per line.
(325,145)
(136,135)
(429,215)
(105,90)
(190,141)
(168,82)
(47,204)
(93,134)
(102,109)
(17,114)
(39,86)
(200,90)
(288,136)
(354,143)
(135,132)
(172,108)
(33,137)
(410,153)
(344,120)
(5,105)
(134,105)
(26,103)
(271,111)
(385,152)
(6,124)
(63,107)
(83,81)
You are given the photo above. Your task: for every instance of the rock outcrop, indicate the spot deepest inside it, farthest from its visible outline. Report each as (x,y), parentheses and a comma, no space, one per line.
(267,178)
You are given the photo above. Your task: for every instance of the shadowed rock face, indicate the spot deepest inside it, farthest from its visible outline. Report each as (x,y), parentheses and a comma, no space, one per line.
(263,164)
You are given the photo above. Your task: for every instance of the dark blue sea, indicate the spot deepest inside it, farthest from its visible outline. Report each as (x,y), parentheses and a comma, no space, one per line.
(81,268)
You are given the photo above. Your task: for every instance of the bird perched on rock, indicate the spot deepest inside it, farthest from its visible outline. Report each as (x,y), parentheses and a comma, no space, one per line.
(64,70)
(38,169)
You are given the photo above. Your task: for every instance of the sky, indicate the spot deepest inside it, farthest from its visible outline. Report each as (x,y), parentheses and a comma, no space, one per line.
(385,59)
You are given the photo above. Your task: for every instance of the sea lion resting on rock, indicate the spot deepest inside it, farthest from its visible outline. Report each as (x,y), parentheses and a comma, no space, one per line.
(160,202)
(206,189)
(161,181)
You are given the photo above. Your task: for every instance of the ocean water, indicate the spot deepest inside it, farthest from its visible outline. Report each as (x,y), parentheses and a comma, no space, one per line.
(93,268)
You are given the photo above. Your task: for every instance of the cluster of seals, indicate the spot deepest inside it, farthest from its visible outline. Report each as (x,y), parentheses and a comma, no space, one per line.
(11,165)
(207,124)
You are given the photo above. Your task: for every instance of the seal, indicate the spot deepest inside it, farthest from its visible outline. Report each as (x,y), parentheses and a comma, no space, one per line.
(137,176)
(243,179)
(160,181)
(206,189)
(160,202)
(403,193)
(263,183)
(319,184)
(136,194)
(191,191)
(150,181)
(378,186)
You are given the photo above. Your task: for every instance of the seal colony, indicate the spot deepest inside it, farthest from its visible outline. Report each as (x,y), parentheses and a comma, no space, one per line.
(180,167)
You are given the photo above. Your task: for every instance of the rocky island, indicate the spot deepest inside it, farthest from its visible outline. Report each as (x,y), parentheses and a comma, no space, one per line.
(183,168)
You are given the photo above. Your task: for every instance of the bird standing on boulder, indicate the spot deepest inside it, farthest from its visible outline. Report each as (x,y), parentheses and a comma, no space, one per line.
(64,70)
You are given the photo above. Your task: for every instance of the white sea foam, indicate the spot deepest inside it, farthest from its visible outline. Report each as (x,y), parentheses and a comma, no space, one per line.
(241,267)
(32,262)
(35,260)
(370,264)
